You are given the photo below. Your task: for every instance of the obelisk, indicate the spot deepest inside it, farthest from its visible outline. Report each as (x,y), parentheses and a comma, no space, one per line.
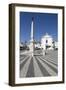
(32,29)
(32,38)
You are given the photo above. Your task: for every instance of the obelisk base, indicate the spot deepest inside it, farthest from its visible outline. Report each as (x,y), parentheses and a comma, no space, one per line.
(31,49)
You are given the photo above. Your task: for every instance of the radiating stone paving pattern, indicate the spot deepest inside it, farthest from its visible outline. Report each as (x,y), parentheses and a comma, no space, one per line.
(39,65)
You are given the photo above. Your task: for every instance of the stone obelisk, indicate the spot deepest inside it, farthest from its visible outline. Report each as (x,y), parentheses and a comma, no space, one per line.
(32,38)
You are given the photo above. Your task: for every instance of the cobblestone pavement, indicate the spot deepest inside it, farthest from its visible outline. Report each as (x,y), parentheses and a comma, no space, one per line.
(39,65)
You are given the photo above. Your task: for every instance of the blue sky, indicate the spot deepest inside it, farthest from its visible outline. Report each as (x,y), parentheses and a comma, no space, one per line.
(43,23)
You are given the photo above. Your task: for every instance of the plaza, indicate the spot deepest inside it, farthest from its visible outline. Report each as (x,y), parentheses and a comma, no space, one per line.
(39,65)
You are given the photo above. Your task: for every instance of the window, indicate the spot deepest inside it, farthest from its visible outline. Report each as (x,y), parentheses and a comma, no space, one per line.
(46,41)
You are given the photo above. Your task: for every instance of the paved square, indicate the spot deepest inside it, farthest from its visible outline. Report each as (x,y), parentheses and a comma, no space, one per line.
(39,65)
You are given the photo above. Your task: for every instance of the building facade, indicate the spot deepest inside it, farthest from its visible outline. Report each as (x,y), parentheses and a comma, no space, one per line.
(47,42)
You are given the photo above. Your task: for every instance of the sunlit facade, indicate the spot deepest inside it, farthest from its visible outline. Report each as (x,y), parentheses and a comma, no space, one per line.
(47,42)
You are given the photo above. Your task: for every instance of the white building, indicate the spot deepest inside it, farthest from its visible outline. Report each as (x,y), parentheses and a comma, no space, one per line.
(37,45)
(47,42)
